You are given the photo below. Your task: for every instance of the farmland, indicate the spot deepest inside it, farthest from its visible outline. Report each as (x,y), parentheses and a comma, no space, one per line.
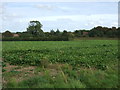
(60,64)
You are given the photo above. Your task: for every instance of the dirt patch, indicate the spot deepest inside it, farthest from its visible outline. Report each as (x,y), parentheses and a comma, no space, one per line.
(9,68)
(26,69)
(1,59)
(21,72)
(24,72)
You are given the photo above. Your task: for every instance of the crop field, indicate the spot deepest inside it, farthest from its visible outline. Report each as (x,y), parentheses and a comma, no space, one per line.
(60,64)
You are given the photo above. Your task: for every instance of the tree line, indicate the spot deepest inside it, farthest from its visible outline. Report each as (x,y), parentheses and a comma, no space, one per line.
(35,33)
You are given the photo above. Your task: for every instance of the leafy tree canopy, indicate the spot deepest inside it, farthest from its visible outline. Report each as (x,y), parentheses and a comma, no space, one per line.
(35,28)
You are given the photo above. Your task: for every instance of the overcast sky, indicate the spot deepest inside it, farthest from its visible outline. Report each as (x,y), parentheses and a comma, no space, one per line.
(68,16)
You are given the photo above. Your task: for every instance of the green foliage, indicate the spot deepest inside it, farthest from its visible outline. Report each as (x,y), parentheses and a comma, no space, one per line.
(98,78)
(26,35)
(88,63)
(3,65)
(12,83)
(27,38)
(7,34)
(98,54)
(35,33)
(45,82)
(103,32)
(78,33)
(34,28)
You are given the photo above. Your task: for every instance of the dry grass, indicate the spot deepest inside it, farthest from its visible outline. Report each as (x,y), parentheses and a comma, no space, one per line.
(30,71)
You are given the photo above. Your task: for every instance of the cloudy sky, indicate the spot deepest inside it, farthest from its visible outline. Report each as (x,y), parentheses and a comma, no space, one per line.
(68,16)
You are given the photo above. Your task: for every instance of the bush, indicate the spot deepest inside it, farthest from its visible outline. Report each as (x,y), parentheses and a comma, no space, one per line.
(50,38)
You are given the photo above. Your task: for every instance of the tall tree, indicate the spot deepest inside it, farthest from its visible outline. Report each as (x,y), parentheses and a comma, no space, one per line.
(77,33)
(7,34)
(58,32)
(35,28)
(52,32)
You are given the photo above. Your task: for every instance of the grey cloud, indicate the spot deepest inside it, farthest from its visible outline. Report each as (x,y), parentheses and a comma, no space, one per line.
(51,7)
(6,15)
(2,8)
(12,16)
(46,7)
(64,20)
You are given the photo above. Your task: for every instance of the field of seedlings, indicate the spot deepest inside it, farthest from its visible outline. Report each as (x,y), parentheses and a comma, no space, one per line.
(60,64)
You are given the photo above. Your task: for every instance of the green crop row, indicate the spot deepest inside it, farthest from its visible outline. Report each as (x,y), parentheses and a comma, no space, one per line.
(88,53)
